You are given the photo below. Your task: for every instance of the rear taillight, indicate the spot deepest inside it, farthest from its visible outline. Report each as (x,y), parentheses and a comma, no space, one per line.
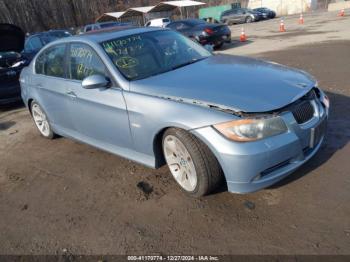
(209,31)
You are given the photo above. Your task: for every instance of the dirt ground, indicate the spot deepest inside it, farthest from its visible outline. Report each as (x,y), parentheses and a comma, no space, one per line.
(61,196)
(265,36)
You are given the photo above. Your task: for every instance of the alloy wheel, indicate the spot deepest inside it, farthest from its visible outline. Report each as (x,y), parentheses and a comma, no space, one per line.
(40,120)
(180,163)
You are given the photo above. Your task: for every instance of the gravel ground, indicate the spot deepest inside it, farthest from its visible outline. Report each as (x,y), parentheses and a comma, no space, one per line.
(265,36)
(61,196)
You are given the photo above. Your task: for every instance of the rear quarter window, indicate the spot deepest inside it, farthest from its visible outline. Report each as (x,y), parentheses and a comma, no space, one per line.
(33,44)
(88,28)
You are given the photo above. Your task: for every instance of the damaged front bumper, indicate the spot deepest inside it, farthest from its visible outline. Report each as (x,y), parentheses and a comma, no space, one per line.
(252,166)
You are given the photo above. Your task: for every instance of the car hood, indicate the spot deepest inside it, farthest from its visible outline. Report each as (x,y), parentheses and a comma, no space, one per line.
(234,82)
(11,38)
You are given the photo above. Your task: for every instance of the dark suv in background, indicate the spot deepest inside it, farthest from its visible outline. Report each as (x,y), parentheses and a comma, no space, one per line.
(240,15)
(35,42)
(11,62)
(203,32)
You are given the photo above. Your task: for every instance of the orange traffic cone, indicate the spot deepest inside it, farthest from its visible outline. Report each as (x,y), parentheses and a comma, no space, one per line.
(243,37)
(282,28)
(342,12)
(301,19)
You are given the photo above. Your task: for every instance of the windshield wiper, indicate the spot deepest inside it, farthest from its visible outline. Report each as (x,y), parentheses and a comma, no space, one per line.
(171,69)
(188,63)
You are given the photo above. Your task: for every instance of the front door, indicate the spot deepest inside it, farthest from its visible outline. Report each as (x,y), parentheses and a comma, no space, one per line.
(99,115)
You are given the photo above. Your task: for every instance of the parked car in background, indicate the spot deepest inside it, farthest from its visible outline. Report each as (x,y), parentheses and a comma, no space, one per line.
(215,11)
(159,22)
(203,32)
(266,13)
(211,20)
(240,15)
(104,25)
(154,96)
(35,42)
(11,62)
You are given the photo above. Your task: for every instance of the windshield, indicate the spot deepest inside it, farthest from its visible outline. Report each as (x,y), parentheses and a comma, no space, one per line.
(147,54)
(48,39)
(59,34)
(52,36)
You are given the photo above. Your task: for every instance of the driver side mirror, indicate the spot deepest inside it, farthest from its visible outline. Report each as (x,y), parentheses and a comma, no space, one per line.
(96,81)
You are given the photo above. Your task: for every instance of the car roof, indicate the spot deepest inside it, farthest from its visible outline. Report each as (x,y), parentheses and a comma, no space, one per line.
(109,29)
(48,32)
(189,20)
(104,35)
(103,23)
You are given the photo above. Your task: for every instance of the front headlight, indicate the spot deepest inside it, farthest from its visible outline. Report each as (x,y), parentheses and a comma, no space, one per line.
(246,130)
(324,98)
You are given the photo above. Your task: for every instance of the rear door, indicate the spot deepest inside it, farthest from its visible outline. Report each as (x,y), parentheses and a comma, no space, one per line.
(237,15)
(50,85)
(99,115)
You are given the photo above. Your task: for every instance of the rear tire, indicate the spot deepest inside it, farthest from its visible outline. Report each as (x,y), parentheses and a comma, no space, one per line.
(219,46)
(249,19)
(192,164)
(41,121)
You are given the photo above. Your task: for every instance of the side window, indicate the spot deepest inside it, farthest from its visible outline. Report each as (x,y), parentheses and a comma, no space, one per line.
(172,26)
(181,26)
(88,28)
(84,62)
(51,62)
(148,23)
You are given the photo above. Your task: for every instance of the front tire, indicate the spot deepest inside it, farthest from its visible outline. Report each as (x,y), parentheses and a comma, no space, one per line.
(41,121)
(192,164)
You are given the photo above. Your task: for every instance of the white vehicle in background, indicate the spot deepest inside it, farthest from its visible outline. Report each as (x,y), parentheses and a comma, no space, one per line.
(159,22)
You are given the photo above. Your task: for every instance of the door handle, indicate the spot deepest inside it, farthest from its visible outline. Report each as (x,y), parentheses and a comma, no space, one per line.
(71,94)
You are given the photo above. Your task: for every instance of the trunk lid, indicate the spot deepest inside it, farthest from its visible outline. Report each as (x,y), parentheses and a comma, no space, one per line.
(11,38)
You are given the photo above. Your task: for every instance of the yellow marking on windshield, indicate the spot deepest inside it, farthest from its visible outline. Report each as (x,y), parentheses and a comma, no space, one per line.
(127,62)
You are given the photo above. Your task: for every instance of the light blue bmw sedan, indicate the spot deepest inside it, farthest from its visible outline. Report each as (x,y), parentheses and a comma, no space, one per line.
(156,97)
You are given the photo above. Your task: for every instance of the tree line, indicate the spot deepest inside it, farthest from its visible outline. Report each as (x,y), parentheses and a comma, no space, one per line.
(41,15)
